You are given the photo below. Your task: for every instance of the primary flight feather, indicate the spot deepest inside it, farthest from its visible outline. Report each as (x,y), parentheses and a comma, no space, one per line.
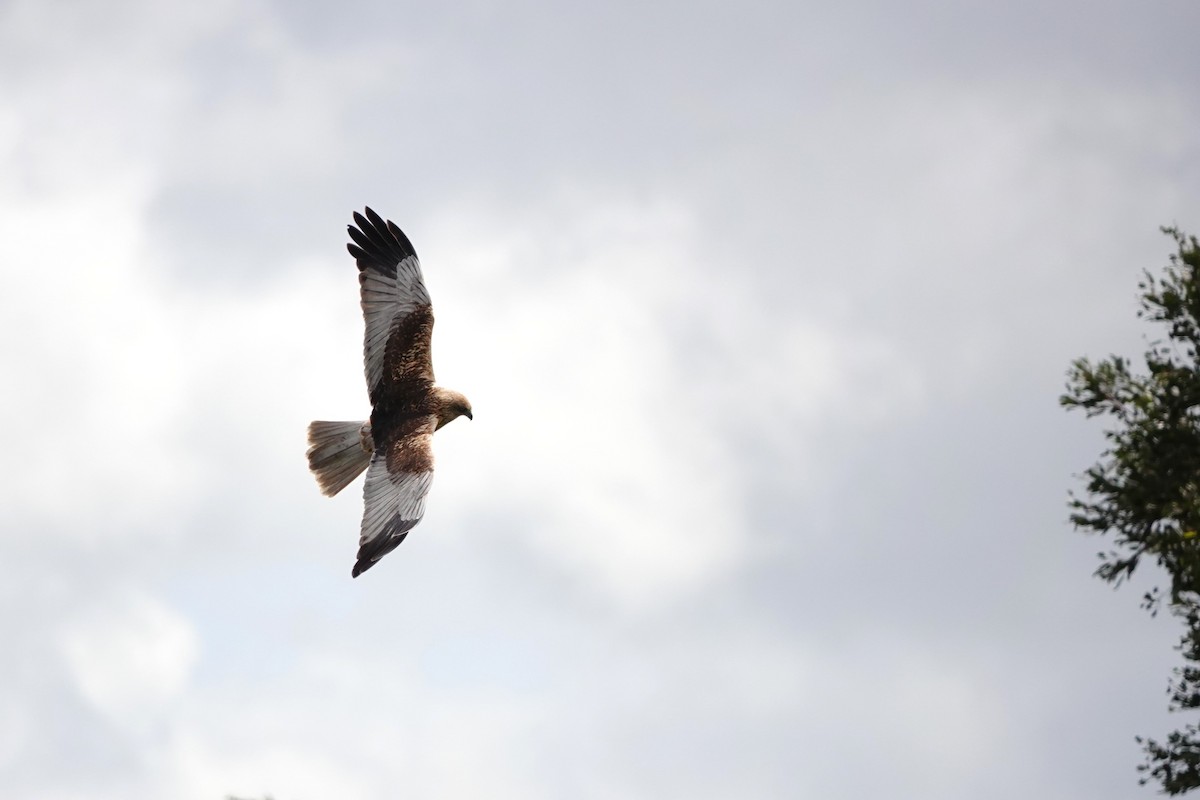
(394,446)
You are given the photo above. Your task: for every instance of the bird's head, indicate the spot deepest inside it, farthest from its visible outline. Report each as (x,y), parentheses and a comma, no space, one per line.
(452,404)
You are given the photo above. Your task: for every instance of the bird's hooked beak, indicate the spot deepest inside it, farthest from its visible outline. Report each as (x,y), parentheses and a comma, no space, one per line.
(467,414)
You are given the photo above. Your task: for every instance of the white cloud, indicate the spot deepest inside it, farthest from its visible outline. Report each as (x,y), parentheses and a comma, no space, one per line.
(130,657)
(91,345)
(611,438)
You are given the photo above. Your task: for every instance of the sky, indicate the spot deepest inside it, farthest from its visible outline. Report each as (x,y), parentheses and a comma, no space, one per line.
(763,309)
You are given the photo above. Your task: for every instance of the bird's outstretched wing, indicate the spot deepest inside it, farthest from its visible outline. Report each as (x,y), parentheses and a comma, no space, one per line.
(398,480)
(396,309)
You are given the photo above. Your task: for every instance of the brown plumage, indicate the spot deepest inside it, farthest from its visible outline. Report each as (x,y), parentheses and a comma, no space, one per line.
(395,446)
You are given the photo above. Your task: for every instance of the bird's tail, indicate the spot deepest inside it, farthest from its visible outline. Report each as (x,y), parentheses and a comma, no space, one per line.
(338,452)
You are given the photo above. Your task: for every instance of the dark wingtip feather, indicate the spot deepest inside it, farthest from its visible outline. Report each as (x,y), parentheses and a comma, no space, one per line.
(399,234)
(369,554)
(382,244)
(365,241)
(376,220)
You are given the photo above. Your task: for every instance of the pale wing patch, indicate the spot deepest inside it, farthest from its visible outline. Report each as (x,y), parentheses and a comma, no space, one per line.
(391,283)
(392,505)
(385,299)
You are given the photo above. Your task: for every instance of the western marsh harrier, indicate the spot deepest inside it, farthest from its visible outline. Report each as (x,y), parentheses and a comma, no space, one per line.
(395,445)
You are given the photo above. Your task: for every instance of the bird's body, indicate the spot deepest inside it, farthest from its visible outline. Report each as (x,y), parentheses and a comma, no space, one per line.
(395,446)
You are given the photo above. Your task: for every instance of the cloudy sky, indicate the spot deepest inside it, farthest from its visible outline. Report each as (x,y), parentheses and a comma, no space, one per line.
(763,309)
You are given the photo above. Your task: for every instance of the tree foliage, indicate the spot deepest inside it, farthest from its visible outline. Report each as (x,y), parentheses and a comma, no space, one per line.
(1144,492)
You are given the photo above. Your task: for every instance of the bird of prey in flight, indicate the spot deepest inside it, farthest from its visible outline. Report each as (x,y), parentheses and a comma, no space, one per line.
(395,445)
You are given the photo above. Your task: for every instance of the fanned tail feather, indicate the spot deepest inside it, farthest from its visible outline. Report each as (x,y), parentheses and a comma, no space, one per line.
(338,452)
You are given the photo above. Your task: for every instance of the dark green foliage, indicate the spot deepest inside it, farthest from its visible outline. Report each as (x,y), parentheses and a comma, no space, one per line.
(1145,490)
